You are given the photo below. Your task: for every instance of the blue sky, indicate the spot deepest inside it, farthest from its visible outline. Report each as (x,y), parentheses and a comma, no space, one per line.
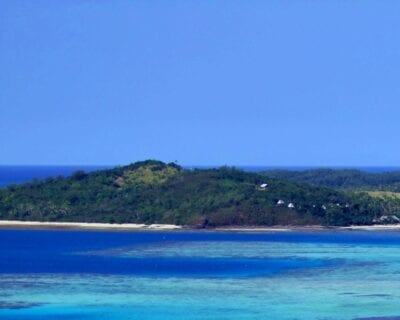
(201,82)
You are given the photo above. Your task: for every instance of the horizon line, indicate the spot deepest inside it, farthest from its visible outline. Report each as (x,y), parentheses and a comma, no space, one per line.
(206,165)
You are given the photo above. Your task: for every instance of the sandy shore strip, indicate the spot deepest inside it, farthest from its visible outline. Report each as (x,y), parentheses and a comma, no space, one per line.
(9,224)
(85,225)
(253,229)
(373,227)
(309,228)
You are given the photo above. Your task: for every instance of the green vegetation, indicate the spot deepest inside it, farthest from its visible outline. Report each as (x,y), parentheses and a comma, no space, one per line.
(384,194)
(155,192)
(342,179)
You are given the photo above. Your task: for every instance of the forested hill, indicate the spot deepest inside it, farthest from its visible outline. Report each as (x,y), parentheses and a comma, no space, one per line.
(342,179)
(155,192)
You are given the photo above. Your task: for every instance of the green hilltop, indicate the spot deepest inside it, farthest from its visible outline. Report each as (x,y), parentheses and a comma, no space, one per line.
(155,192)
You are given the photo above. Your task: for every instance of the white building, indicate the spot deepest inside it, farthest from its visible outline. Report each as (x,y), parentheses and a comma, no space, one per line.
(280,202)
(264,185)
(290,206)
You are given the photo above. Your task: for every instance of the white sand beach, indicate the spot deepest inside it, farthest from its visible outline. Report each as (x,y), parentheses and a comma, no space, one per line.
(85,225)
(308,228)
(374,227)
(136,226)
(254,229)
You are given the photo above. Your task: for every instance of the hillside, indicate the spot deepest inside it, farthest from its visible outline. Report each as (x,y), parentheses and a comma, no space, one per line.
(155,192)
(341,179)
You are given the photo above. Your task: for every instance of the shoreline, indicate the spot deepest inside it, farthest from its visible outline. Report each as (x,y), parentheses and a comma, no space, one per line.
(9,224)
(373,227)
(46,225)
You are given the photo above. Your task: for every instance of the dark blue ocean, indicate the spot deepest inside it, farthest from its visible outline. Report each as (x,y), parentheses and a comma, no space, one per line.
(98,275)
(32,251)
(20,174)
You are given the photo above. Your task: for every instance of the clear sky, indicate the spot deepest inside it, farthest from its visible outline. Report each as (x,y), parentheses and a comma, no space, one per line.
(201,82)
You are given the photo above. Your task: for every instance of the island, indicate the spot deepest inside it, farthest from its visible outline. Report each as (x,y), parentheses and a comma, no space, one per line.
(155,193)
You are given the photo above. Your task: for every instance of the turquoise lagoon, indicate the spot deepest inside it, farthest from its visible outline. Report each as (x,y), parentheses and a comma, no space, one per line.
(72,275)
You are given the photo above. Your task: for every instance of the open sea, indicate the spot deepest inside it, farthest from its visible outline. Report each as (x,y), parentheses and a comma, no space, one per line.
(96,275)
(19,174)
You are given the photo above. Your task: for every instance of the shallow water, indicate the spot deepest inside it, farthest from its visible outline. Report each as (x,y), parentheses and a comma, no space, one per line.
(199,275)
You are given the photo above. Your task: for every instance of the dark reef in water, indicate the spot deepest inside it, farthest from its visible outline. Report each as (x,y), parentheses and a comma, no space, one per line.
(18,305)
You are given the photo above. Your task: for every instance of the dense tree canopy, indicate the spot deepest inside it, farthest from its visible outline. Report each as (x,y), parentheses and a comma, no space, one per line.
(342,178)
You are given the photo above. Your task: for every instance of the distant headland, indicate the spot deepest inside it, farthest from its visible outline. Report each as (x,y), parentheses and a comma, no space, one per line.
(154,193)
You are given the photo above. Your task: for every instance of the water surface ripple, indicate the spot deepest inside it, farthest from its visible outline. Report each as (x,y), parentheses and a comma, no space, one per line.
(199,275)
